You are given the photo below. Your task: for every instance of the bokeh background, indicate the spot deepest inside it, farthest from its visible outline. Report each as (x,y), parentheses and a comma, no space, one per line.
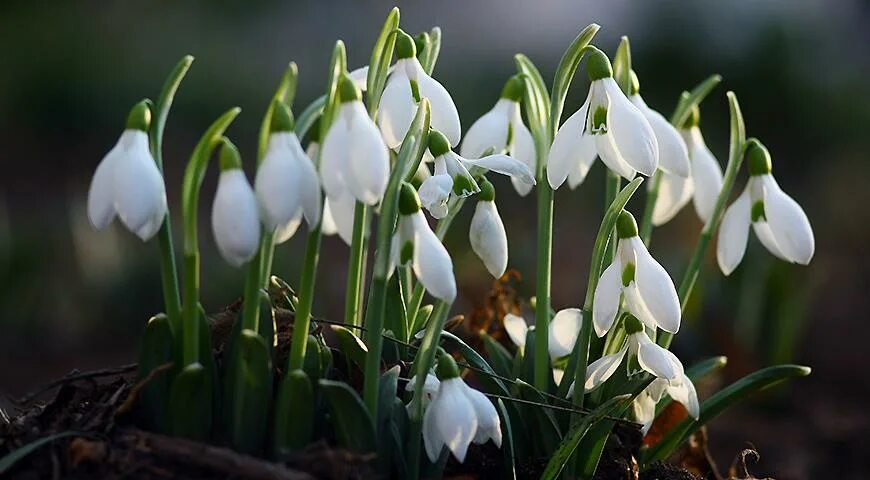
(74,298)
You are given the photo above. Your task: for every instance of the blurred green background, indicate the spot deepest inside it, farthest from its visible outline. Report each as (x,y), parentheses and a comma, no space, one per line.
(74,298)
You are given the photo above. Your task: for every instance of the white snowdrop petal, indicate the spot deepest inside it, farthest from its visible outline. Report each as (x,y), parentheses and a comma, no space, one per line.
(139,192)
(631,132)
(309,186)
(445,117)
(765,235)
(286,231)
(656,288)
(607,294)
(432,440)
(457,422)
(488,424)
(455,167)
(342,210)
(523,149)
(600,370)
(610,155)
(572,145)
(684,392)
(733,233)
(101,194)
(488,238)
(672,152)
(432,264)
(235,220)
(359,77)
(490,131)
(434,194)
(369,159)
(516,328)
(674,193)
(644,410)
(564,329)
(707,176)
(654,359)
(334,156)
(504,165)
(397,108)
(789,224)
(276,184)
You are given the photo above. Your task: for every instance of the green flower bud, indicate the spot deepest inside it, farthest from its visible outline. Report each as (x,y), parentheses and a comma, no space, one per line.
(409,202)
(139,117)
(598,65)
(438,143)
(347,91)
(514,88)
(230,158)
(487,191)
(282,118)
(758,158)
(405,47)
(447,368)
(632,325)
(626,226)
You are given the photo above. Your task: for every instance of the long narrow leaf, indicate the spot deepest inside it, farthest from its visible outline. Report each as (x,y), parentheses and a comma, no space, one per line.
(565,73)
(695,97)
(10,459)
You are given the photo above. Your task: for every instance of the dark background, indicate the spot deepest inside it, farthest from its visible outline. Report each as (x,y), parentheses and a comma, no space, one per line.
(74,298)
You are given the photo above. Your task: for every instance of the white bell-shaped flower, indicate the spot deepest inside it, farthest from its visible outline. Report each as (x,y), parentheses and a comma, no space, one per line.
(681,390)
(672,152)
(564,329)
(287,185)
(430,388)
(778,221)
(502,130)
(234,215)
(453,178)
(127,183)
(640,280)
(415,242)
(702,186)
(457,416)
(486,234)
(354,157)
(407,84)
(608,125)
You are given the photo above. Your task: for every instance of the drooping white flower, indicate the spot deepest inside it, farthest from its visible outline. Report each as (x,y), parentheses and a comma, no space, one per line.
(127,183)
(608,125)
(234,215)
(457,416)
(487,234)
(681,390)
(354,157)
(415,242)
(702,186)
(407,84)
(563,331)
(337,211)
(287,185)
(672,152)
(778,221)
(452,176)
(502,130)
(430,388)
(636,277)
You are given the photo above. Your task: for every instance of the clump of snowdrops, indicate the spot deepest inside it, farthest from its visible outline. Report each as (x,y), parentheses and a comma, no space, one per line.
(385,141)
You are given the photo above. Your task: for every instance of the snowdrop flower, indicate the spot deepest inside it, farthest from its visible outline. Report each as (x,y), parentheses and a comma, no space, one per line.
(458,415)
(487,234)
(127,183)
(452,176)
(406,86)
(607,125)
(502,130)
(702,186)
(338,211)
(286,185)
(778,221)
(234,218)
(637,277)
(563,331)
(681,390)
(430,388)
(354,157)
(672,152)
(652,358)
(416,243)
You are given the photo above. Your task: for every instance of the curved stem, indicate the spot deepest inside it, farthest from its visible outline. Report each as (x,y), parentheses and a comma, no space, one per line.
(302,320)
(356,265)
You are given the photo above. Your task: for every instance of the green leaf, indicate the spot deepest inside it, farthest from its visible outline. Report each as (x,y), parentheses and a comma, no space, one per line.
(395,316)
(475,360)
(249,394)
(285,92)
(156,350)
(539,420)
(382,56)
(695,373)
(281,291)
(434,49)
(190,403)
(501,359)
(389,385)
(563,454)
(622,66)
(565,73)
(337,66)
(719,402)
(294,414)
(163,105)
(421,318)
(695,97)
(313,362)
(509,469)
(537,100)
(267,324)
(308,118)
(353,425)
(351,346)
(10,459)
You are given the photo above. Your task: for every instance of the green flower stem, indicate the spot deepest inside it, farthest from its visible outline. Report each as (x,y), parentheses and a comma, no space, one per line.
(735,160)
(545,263)
(193,176)
(612,185)
(356,265)
(652,196)
(250,304)
(422,364)
(168,272)
(302,319)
